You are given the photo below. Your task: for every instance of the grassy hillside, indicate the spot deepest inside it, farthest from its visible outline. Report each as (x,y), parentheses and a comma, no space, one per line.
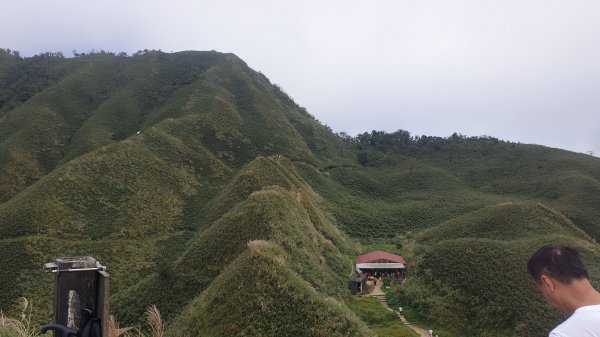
(135,152)
(382,321)
(481,287)
(469,212)
(209,192)
(471,276)
(275,208)
(280,302)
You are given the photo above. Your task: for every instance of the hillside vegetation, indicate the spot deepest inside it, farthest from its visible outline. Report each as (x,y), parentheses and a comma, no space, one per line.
(209,192)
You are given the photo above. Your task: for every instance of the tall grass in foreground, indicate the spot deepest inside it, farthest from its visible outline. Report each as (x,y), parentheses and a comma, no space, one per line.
(153,320)
(19,327)
(22,327)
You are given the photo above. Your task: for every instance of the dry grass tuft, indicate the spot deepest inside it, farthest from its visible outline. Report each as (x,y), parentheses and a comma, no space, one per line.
(21,327)
(154,321)
(113,328)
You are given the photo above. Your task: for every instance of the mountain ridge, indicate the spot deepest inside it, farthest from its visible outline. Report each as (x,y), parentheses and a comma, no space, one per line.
(165,167)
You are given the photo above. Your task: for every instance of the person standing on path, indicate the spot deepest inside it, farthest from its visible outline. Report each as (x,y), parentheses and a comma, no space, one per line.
(562,279)
(430,332)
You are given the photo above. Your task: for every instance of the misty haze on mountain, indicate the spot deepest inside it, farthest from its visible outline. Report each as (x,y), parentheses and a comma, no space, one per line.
(523,71)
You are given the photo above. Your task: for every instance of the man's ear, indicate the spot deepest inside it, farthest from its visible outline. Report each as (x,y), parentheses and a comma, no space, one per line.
(546,282)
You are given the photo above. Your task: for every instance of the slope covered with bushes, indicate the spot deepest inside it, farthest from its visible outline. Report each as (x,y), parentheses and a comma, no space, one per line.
(209,192)
(280,303)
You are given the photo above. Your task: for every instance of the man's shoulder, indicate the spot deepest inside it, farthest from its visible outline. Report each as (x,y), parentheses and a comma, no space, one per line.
(585,322)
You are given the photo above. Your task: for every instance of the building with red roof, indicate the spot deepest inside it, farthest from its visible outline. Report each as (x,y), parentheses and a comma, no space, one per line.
(380,257)
(379,262)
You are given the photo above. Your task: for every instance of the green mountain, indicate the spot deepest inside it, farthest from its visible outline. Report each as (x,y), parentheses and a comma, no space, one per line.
(209,192)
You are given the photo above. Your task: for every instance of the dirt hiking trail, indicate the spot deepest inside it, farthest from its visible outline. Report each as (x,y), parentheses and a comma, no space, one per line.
(380,296)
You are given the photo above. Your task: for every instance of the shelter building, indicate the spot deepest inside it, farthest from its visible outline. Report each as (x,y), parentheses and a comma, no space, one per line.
(358,285)
(381,263)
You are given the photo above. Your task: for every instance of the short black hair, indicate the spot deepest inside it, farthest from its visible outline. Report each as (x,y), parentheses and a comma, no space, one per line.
(559,262)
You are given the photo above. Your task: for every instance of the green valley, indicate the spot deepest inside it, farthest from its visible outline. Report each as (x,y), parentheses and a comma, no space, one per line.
(212,194)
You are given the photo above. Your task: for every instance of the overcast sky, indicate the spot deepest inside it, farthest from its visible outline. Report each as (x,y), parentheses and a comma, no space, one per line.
(525,71)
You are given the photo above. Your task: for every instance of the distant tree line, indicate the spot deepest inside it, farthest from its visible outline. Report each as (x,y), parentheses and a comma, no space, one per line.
(404,138)
(10,52)
(59,54)
(120,54)
(42,55)
(402,141)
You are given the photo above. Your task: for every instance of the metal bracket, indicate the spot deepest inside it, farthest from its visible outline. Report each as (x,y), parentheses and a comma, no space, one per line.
(52,267)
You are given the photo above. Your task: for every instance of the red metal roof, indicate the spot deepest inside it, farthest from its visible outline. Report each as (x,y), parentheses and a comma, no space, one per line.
(373,257)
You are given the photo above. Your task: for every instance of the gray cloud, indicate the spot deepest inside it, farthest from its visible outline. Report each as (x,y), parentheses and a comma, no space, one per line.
(519,70)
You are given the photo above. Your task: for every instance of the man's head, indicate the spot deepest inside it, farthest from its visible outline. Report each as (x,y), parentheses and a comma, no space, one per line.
(555,269)
(559,262)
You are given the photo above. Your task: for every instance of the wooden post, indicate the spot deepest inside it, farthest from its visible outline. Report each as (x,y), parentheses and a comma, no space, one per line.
(102,306)
(80,283)
(74,289)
